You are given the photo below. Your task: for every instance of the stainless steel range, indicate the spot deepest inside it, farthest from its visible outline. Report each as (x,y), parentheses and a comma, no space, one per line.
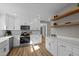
(24,38)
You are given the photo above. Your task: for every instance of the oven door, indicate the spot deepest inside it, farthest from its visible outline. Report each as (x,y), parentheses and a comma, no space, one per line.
(24,40)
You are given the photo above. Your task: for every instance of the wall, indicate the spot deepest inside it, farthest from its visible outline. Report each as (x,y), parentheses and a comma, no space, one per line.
(70,31)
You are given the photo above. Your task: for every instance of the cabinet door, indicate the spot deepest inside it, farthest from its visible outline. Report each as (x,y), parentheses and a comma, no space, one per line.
(6,49)
(10,22)
(16,40)
(64,50)
(75,51)
(1,52)
(54,46)
(2,22)
(48,45)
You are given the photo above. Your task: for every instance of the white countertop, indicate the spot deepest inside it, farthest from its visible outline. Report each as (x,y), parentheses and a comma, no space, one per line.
(4,38)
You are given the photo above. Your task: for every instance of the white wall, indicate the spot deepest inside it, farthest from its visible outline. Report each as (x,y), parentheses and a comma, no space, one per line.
(70,31)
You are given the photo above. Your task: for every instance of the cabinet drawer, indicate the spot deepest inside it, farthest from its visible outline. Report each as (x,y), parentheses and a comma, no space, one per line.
(65,45)
(6,49)
(76,51)
(4,43)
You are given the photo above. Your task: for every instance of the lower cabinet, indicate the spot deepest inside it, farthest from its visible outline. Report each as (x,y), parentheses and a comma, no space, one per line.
(54,46)
(4,48)
(64,49)
(16,41)
(75,51)
(51,45)
(48,45)
(58,47)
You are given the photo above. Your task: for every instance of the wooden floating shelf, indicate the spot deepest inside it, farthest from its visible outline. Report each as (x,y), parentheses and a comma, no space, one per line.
(68,13)
(66,24)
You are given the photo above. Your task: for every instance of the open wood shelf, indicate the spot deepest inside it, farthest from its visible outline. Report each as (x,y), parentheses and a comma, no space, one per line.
(65,24)
(68,13)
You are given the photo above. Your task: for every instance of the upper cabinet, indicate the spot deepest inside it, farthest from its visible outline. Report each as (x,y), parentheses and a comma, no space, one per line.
(7,21)
(2,22)
(10,21)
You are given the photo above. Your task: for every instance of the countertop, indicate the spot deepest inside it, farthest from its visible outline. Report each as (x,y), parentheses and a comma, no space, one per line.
(4,38)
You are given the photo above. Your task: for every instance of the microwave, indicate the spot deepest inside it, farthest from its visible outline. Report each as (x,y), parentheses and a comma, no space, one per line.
(25,27)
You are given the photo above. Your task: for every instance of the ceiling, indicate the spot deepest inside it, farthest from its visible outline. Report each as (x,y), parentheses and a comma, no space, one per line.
(28,12)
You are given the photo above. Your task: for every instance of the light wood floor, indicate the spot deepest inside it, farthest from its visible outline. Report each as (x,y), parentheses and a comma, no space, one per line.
(36,50)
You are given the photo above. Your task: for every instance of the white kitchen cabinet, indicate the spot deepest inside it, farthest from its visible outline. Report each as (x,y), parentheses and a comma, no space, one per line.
(51,45)
(48,44)
(54,46)
(17,24)
(75,51)
(10,21)
(4,48)
(16,40)
(17,27)
(64,49)
(2,22)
